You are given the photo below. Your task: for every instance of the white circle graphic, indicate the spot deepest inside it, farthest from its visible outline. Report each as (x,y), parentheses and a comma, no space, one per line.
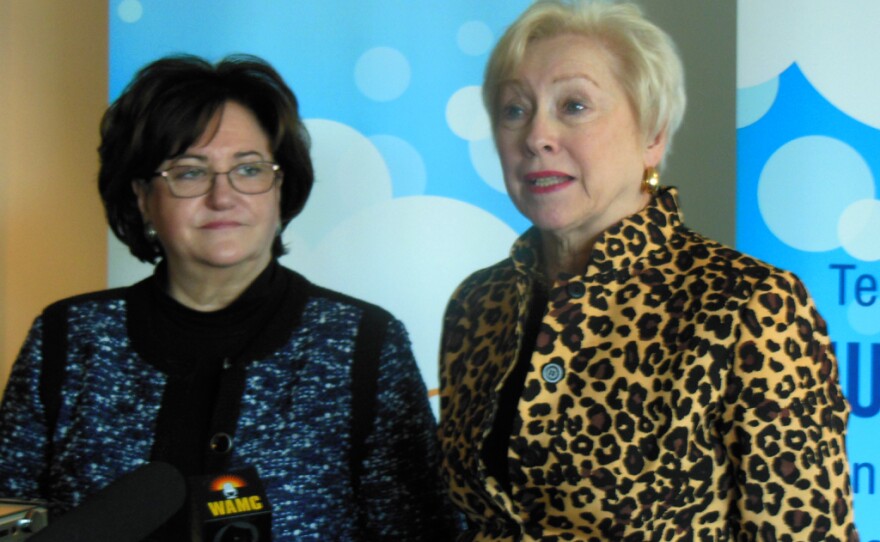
(382,74)
(484,157)
(466,116)
(859,230)
(130,11)
(805,187)
(864,319)
(752,103)
(474,38)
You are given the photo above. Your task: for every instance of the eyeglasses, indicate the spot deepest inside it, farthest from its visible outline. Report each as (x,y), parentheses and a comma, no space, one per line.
(193,181)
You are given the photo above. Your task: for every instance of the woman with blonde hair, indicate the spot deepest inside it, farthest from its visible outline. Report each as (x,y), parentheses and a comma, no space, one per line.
(619,376)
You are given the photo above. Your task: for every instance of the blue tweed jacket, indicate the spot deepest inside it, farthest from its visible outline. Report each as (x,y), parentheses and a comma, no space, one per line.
(294,423)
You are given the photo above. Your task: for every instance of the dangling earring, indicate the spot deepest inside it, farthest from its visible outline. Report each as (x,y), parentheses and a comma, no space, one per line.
(651,180)
(150,233)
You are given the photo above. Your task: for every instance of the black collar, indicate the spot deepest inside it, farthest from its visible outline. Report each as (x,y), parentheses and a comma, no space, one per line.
(170,336)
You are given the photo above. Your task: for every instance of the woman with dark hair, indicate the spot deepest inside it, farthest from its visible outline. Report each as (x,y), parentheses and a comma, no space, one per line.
(222,359)
(619,376)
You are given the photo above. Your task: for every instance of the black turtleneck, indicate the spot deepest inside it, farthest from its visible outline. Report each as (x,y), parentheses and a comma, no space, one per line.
(204,355)
(191,347)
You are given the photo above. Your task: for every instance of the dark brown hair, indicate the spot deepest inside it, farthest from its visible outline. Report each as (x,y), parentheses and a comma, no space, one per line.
(168,106)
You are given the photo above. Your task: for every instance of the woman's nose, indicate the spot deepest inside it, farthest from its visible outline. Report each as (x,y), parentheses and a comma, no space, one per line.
(542,135)
(221,193)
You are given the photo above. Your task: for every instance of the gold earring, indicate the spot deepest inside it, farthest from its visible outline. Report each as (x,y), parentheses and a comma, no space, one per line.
(651,180)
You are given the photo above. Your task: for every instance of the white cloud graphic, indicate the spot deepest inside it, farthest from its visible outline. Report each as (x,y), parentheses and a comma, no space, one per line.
(350,175)
(406,254)
(833,42)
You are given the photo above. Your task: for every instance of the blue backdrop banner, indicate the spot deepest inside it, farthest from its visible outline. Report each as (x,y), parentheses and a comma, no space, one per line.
(409,197)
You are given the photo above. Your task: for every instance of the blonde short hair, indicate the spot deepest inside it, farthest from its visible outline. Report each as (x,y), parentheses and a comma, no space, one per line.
(648,66)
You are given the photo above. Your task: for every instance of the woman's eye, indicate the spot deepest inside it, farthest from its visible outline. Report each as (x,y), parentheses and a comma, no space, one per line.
(250,170)
(574,106)
(512,113)
(188,173)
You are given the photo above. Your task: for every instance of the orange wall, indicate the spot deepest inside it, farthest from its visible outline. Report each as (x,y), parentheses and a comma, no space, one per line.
(53,90)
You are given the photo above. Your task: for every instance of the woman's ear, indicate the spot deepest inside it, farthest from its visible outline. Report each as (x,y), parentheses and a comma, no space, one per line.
(655,149)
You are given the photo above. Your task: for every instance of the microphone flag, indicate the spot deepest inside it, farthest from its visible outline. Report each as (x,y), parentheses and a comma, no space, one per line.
(230,507)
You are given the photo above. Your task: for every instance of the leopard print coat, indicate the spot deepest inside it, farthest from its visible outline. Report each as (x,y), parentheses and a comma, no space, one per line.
(678,390)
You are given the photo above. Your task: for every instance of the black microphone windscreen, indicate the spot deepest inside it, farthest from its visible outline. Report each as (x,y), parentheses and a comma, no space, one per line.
(127,510)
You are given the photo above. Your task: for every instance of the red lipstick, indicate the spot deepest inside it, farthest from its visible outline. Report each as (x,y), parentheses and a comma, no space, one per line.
(544,182)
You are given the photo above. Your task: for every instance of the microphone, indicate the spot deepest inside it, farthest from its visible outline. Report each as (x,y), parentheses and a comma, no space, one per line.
(127,510)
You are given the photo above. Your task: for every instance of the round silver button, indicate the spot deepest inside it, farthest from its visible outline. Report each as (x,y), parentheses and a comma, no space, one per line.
(552,373)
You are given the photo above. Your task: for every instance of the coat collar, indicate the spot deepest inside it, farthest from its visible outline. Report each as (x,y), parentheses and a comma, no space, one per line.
(620,247)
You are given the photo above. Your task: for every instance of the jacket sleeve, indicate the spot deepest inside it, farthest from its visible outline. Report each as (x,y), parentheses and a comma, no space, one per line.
(24,443)
(401,490)
(785,421)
